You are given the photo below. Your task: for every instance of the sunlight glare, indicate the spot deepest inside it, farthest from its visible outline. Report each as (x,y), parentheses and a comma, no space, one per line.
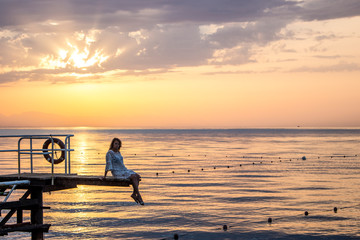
(83,59)
(74,57)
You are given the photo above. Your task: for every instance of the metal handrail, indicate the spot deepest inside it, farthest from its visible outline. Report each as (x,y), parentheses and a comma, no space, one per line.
(31,151)
(14,185)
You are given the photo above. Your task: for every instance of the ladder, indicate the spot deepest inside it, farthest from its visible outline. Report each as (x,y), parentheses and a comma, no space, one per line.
(13,184)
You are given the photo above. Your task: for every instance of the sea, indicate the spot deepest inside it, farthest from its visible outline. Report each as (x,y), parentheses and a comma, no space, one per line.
(259,183)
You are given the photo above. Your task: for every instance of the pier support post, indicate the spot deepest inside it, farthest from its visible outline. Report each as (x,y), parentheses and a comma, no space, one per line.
(37,213)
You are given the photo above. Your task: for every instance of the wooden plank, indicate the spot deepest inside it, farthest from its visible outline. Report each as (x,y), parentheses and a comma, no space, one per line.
(35,179)
(23,227)
(37,215)
(7,217)
(24,204)
(64,181)
(93,180)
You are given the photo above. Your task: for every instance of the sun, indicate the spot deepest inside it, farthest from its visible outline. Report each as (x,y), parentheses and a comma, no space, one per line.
(71,56)
(82,58)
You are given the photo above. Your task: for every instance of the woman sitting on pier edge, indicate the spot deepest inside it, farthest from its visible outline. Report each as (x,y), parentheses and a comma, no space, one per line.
(115,164)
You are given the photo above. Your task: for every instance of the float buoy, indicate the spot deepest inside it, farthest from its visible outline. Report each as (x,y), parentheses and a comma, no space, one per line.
(47,155)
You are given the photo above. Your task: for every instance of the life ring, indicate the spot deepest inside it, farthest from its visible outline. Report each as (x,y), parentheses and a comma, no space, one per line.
(47,156)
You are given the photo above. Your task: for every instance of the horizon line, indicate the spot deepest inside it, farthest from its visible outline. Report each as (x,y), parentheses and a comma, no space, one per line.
(172,128)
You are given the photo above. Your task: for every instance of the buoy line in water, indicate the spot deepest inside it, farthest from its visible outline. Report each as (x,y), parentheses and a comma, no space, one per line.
(206,155)
(258,162)
(261,160)
(314,214)
(244,156)
(305,215)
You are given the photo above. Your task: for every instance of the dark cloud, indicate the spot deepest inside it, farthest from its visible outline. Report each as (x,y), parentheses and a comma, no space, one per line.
(135,14)
(329,9)
(138,12)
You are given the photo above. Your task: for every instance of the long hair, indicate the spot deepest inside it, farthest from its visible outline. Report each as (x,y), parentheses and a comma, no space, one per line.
(112,143)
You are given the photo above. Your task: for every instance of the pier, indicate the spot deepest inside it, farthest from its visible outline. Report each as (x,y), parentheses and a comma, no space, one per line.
(35,184)
(32,200)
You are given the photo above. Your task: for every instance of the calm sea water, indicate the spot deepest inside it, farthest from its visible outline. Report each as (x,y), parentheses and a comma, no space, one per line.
(197,181)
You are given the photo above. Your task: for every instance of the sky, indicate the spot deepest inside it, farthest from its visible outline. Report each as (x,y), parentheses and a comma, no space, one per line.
(179,63)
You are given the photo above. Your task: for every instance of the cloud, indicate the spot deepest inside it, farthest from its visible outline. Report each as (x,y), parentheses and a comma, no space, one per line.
(329,9)
(70,40)
(328,57)
(340,67)
(133,14)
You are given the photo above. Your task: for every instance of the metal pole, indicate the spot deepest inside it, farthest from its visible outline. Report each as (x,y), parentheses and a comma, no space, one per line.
(19,158)
(10,192)
(10,183)
(31,155)
(66,153)
(69,156)
(52,160)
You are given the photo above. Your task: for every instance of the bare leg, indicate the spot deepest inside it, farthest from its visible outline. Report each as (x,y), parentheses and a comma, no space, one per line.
(135,179)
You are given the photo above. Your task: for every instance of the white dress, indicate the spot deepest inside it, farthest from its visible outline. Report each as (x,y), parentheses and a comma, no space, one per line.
(115,164)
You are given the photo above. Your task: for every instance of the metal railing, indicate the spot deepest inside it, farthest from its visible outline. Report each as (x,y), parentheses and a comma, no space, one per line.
(36,151)
(13,185)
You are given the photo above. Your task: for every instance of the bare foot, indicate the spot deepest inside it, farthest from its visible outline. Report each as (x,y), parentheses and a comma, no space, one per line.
(140,200)
(135,198)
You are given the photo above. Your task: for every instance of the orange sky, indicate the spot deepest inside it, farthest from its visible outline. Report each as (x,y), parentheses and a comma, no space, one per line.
(280,65)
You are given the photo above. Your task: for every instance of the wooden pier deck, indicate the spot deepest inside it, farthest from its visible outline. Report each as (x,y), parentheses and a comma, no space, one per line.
(64,181)
(32,200)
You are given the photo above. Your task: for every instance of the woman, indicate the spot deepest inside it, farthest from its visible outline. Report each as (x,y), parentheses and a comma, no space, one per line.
(115,164)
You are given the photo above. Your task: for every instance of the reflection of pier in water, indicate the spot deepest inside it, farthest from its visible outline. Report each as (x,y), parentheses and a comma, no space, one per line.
(35,184)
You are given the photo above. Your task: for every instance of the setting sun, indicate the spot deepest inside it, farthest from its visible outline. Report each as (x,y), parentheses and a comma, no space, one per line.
(280,64)
(82,58)
(71,56)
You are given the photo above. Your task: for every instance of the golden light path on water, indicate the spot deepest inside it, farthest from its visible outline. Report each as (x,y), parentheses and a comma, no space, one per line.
(193,184)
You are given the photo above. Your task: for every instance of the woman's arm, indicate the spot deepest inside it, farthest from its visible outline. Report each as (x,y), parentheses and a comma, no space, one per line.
(109,161)
(108,166)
